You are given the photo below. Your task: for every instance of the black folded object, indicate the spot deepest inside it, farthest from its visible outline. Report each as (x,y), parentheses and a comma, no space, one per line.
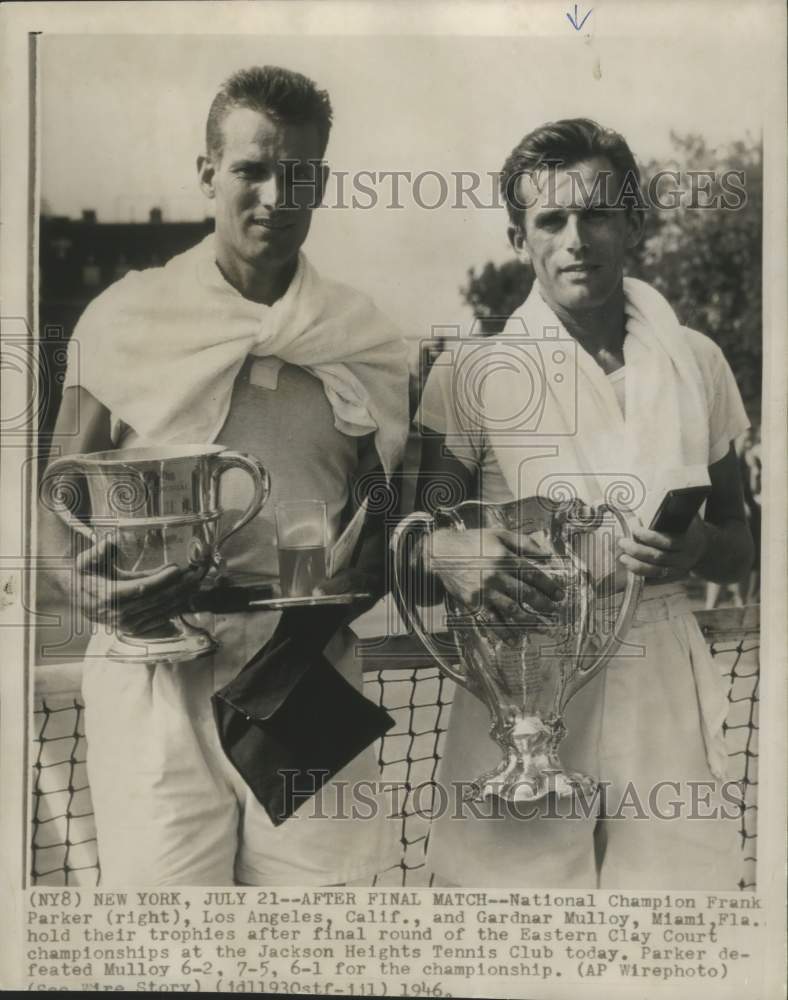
(289,722)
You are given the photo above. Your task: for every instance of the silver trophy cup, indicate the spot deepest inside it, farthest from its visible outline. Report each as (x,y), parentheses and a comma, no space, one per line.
(159,506)
(527,673)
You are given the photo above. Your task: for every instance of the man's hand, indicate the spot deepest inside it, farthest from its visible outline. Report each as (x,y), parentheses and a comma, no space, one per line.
(488,569)
(657,555)
(131,602)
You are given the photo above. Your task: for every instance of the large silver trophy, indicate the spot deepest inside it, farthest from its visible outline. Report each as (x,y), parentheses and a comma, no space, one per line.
(527,673)
(159,506)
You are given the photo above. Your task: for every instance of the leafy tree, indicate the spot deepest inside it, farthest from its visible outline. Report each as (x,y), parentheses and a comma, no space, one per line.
(705,255)
(496,292)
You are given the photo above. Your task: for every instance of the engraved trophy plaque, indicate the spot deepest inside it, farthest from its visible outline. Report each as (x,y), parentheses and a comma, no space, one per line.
(159,506)
(527,673)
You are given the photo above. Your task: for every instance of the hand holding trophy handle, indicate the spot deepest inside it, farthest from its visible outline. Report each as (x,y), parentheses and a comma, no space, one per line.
(262,488)
(129,601)
(154,514)
(412,531)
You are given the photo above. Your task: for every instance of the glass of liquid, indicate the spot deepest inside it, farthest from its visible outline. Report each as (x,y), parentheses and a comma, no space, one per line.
(302,540)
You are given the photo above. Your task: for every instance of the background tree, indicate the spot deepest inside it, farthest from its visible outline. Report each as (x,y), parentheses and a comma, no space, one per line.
(496,292)
(706,258)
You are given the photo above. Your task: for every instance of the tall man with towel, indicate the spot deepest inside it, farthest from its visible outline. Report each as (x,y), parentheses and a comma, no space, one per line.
(238,341)
(651,403)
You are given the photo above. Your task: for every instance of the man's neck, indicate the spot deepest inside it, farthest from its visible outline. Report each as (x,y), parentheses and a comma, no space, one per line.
(265,285)
(600,331)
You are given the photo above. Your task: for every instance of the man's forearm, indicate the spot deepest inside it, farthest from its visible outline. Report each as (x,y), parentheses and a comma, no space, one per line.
(56,549)
(728,553)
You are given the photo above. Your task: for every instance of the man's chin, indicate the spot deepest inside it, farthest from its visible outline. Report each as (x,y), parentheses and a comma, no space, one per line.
(270,255)
(581,298)
(581,301)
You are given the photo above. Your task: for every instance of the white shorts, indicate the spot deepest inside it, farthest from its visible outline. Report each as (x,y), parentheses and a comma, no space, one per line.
(634,726)
(172,810)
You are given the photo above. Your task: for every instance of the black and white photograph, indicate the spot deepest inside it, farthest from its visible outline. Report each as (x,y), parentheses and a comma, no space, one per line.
(393,458)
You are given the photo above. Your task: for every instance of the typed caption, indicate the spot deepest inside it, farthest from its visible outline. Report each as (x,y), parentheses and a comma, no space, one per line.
(385,942)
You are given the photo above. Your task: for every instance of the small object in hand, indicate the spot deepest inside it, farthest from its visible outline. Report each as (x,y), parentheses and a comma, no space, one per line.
(678,508)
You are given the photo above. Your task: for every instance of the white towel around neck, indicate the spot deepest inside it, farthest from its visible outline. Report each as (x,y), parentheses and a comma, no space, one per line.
(161,349)
(664,440)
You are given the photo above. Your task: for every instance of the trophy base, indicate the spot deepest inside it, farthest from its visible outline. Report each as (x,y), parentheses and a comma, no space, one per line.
(530,769)
(183,642)
(529,789)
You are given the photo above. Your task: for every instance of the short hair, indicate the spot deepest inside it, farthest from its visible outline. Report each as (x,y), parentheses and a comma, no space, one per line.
(282,94)
(563,144)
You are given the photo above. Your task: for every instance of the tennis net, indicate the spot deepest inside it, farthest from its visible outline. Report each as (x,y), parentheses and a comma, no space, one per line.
(399,675)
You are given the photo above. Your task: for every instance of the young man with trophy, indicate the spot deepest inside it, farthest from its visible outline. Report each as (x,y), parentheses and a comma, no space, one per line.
(593,393)
(240,344)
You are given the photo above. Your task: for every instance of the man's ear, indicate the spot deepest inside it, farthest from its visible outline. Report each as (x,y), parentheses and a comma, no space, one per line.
(636,224)
(516,236)
(206,172)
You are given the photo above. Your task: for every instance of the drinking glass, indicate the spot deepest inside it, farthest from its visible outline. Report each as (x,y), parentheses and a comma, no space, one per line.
(302,541)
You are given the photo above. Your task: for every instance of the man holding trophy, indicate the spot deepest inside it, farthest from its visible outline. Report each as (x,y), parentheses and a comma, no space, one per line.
(237,343)
(593,391)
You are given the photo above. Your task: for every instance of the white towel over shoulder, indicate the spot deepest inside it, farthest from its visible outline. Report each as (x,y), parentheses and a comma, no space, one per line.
(667,417)
(161,349)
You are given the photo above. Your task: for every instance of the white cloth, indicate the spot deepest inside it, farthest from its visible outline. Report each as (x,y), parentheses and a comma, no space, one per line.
(161,349)
(667,418)
(165,350)
(682,411)
(666,429)
(170,808)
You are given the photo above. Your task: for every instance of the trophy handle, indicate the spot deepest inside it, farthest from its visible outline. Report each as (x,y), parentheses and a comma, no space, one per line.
(417,523)
(55,493)
(626,613)
(262,488)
